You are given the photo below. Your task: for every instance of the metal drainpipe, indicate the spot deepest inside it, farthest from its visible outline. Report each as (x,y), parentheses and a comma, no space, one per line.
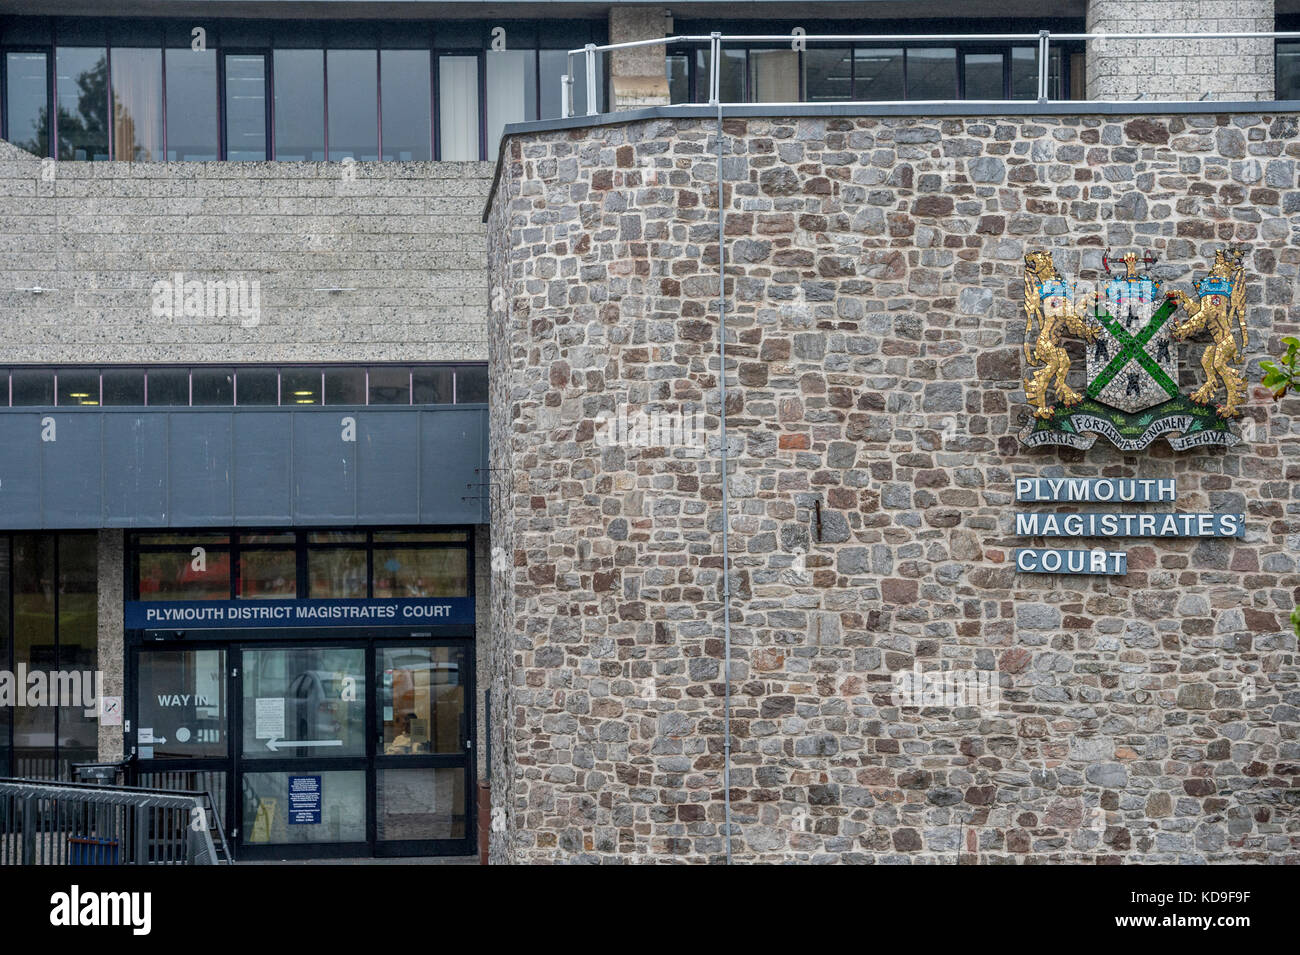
(726,498)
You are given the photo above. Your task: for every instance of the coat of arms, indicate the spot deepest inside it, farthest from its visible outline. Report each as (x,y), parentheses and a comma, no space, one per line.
(1129,334)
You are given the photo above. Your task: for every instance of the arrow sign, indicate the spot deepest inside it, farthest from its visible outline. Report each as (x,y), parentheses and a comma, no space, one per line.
(275,744)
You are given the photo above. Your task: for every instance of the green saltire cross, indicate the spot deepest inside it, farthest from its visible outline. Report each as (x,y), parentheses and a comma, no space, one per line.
(1134,348)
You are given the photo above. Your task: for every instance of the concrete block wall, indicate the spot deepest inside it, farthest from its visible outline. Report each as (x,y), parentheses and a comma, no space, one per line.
(637,76)
(875,294)
(407,238)
(1180,69)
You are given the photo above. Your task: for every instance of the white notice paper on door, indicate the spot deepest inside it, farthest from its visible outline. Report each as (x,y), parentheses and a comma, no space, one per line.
(269,718)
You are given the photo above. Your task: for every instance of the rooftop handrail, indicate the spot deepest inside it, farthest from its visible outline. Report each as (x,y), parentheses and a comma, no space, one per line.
(715,40)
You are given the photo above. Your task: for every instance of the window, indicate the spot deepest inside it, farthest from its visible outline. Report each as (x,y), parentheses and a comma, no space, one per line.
(81,92)
(407,115)
(27,106)
(246,108)
(212,386)
(331,564)
(167,387)
(731,78)
(827,74)
(137,104)
(511,92)
(1288,70)
(352,80)
(552,65)
(678,66)
(345,386)
(420,572)
(1024,72)
(878,74)
(299,104)
(472,385)
(424,803)
(983,75)
(422,697)
(123,387)
(932,73)
(182,697)
(48,587)
(79,387)
(869,73)
(266,806)
(185,574)
(259,385)
(31,387)
(433,386)
(191,104)
(458,108)
(336,572)
(267,574)
(390,386)
(307,693)
(773,76)
(301,386)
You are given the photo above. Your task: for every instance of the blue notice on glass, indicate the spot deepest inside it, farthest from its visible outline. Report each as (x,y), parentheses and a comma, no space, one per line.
(304,800)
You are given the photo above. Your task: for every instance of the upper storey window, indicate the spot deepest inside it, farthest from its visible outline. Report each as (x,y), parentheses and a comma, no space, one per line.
(249,91)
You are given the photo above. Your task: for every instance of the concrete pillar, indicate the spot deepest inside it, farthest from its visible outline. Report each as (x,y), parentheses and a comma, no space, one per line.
(637,76)
(1180,69)
(112,634)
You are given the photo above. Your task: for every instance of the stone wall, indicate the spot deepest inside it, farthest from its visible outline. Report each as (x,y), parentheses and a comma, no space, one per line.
(1237,70)
(874,289)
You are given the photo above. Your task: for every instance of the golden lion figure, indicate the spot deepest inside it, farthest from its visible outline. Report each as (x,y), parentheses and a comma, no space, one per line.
(1051,305)
(1221,298)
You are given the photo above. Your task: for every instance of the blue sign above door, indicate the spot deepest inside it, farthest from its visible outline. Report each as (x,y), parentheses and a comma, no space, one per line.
(243,614)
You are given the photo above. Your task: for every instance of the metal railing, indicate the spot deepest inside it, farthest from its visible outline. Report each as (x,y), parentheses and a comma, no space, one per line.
(56,823)
(1043,39)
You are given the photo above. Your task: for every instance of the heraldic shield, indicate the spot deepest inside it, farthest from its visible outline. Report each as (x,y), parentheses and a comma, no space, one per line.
(1130,334)
(1133,364)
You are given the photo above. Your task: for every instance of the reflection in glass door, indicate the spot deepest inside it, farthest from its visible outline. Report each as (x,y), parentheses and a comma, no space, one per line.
(423,740)
(181,729)
(302,757)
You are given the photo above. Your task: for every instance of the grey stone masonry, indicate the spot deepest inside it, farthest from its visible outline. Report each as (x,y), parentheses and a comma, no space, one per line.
(874,289)
(405,240)
(1238,70)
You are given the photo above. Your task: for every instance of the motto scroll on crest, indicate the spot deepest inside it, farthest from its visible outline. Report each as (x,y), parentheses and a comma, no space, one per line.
(1130,334)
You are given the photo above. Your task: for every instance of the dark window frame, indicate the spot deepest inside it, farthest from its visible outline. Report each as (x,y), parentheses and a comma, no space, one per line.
(697,75)
(264,38)
(48,53)
(301,547)
(7,657)
(456,369)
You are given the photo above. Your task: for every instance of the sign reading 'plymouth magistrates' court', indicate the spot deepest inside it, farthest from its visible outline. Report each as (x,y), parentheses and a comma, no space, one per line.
(1105,524)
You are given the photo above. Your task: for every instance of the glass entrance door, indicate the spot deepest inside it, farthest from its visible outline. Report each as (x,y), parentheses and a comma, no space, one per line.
(302,759)
(348,747)
(423,739)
